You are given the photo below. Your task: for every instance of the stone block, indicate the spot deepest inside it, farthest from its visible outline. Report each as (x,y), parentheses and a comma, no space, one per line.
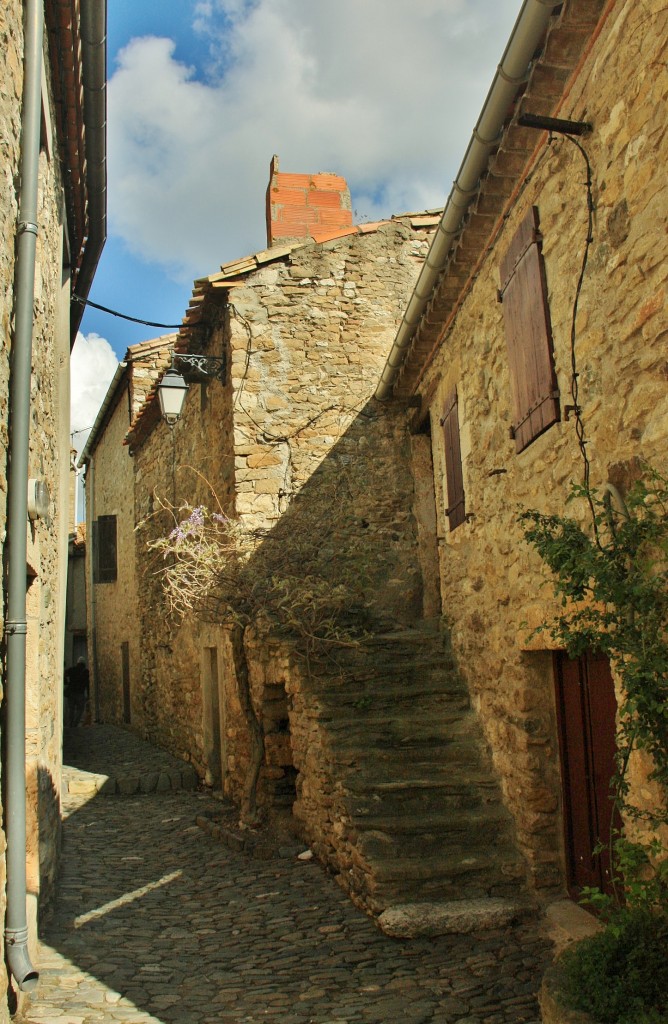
(148,782)
(128,785)
(460,917)
(164,783)
(189,778)
(108,788)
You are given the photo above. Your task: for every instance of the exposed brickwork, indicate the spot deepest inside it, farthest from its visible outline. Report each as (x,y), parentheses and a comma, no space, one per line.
(301,206)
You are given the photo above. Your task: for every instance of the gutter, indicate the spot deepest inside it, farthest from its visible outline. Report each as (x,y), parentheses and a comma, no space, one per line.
(93,21)
(513,71)
(16,924)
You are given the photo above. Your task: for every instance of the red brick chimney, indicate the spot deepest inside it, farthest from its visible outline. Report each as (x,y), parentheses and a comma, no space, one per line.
(301,206)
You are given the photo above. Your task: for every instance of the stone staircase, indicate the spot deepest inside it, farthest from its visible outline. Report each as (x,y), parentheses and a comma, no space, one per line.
(411,785)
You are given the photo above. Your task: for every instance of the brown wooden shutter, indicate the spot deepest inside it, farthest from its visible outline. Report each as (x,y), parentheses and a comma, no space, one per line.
(528,334)
(453,462)
(104,550)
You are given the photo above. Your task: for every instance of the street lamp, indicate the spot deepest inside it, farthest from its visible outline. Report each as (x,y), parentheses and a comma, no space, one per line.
(172,388)
(171,392)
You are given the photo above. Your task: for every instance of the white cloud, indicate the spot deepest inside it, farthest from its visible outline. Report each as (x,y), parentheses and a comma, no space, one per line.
(383,92)
(92,366)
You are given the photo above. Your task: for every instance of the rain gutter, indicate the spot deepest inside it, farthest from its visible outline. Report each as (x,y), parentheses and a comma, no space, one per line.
(93,22)
(512,72)
(16,924)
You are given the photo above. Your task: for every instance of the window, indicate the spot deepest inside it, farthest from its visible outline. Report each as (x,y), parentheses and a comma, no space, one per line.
(526,317)
(453,462)
(104,549)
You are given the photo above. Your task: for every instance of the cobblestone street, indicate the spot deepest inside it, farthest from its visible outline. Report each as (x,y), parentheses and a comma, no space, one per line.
(156,921)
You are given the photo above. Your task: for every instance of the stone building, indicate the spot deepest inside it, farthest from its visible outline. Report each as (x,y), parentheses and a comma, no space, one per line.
(76,645)
(486,368)
(112,609)
(52,229)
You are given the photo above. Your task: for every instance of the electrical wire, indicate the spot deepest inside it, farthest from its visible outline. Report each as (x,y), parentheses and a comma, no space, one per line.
(132,319)
(580,431)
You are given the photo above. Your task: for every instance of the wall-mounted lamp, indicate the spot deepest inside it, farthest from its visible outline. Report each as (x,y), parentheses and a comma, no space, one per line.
(172,388)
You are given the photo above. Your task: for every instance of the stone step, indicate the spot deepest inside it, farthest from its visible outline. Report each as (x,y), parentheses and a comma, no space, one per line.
(383,716)
(488,869)
(409,845)
(445,824)
(375,804)
(373,782)
(362,692)
(422,753)
(407,759)
(414,729)
(457,917)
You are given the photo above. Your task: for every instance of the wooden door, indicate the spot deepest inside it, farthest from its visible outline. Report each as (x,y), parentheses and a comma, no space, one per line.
(586,710)
(125,675)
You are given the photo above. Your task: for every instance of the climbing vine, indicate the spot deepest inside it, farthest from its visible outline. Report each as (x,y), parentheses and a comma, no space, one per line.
(281,580)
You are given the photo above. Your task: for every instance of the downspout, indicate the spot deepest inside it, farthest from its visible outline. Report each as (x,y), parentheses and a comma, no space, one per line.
(526,35)
(16,925)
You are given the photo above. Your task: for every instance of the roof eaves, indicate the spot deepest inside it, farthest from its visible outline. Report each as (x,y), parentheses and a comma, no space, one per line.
(543,93)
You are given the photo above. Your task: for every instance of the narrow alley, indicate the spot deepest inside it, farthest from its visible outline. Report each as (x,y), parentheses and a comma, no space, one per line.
(156,922)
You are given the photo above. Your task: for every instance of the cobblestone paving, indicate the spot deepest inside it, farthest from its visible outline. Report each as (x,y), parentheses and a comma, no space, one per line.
(113,761)
(158,923)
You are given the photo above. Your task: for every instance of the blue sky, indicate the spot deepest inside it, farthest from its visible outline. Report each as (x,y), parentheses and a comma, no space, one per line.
(202,93)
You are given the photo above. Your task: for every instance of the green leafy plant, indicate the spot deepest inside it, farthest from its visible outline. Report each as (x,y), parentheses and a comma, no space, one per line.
(612,582)
(613,586)
(620,975)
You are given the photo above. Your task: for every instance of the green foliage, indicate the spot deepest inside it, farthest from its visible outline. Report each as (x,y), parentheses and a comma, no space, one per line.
(614,591)
(620,975)
(613,586)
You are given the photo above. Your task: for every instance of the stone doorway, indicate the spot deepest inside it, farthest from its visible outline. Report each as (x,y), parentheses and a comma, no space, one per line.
(213,711)
(279,771)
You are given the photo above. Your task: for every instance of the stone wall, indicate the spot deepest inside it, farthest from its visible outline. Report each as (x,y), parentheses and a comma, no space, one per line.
(491,582)
(112,608)
(49,448)
(189,463)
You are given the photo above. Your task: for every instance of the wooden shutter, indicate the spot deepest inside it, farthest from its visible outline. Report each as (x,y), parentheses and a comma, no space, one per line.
(104,549)
(453,462)
(528,334)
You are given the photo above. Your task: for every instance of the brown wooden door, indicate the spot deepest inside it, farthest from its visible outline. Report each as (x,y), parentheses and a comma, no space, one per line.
(586,710)
(125,674)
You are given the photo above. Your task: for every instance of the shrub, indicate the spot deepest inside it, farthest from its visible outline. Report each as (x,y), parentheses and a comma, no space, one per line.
(620,975)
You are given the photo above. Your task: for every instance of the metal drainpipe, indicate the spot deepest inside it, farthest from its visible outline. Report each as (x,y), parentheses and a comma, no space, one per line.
(527,32)
(16,925)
